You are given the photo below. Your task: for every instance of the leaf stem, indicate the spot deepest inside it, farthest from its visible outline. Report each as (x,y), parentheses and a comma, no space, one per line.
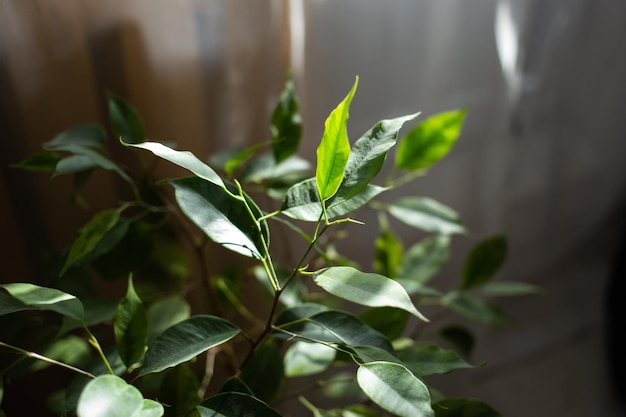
(94,342)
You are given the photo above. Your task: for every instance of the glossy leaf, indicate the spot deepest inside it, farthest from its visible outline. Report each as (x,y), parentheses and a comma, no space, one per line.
(111,396)
(264,373)
(423,260)
(429,141)
(186,340)
(366,289)
(90,235)
(302,201)
(184,159)
(130,327)
(395,388)
(222,217)
(166,312)
(179,391)
(374,354)
(431,359)
(125,120)
(286,124)
(86,135)
(510,289)
(426,214)
(303,358)
(460,407)
(235,404)
(41,161)
(334,149)
(484,260)
(474,308)
(23,296)
(369,153)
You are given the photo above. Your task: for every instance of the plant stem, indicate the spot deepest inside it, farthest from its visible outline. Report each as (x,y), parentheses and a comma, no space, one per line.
(94,342)
(49,360)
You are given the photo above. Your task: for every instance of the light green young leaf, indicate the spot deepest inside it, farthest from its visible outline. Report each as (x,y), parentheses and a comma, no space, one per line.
(484,260)
(130,327)
(23,296)
(388,252)
(184,159)
(474,308)
(125,120)
(429,141)
(303,358)
(453,407)
(431,359)
(186,340)
(423,260)
(395,388)
(150,408)
(235,404)
(334,149)
(426,214)
(223,217)
(86,135)
(366,289)
(111,396)
(286,124)
(179,390)
(510,289)
(90,235)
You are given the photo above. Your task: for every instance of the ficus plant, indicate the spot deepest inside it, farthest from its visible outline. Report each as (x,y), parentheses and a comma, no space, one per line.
(291,326)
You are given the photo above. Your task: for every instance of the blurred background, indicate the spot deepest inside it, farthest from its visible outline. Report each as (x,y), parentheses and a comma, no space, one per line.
(542,155)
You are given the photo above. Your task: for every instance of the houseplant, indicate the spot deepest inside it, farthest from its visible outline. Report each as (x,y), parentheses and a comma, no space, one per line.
(277,327)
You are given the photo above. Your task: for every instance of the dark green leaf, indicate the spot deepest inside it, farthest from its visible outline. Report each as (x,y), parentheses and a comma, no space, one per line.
(186,340)
(395,388)
(367,289)
(388,252)
(235,404)
(223,217)
(23,296)
(387,320)
(459,336)
(96,311)
(109,241)
(509,289)
(131,327)
(473,308)
(87,135)
(166,312)
(428,360)
(264,373)
(124,120)
(484,260)
(42,161)
(302,201)
(90,235)
(286,124)
(426,214)
(235,384)
(429,141)
(462,407)
(423,260)
(179,391)
(298,312)
(303,358)
(334,149)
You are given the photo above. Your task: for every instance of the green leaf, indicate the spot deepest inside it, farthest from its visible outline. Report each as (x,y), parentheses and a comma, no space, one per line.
(395,388)
(86,135)
(302,201)
(387,320)
(186,340)
(366,289)
(509,289)
(130,327)
(369,153)
(374,354)
(72,350)
(334,149)
(458,336)
(166,312)
(304,358)
(461,407)
(264,372)
(124,120)
(264,168)
(286,124)
(429,141)
(179,391)
(184,159)
(429,360)
(223,217)
(423,260)
(42,161)
(473,308)
(426,214)
(90,235)
(23,296)
(235,404)
(388,252)
(111,396)
(484,260)
(235,384)
(240,158)
(73,164)
(97,159)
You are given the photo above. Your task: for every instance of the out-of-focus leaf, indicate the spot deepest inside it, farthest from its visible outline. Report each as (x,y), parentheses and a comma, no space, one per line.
(125,120)
(264,168)
(303,358)
(388,253)
(474,308)
(458,336)
(387,320)
(264,373)
(510,289)
(23,296)
(179,391)
(431,359)
(72,350)
(73,164)
(426,214)
(286,124)
(166,312)
(455,407)
(423,260)
(484,260)
(86,135)
(235,404)
(131,327)
(41,161)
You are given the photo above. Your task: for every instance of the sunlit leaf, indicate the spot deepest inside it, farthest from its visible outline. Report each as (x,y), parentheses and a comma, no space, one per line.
(303,358)
(484,260)
(150,408)
(235,404)
(431,359)
(367,289)
(426,214)
(474,308)
(111,396)
(423,260)
(334,149)
(286,124)
(264,372)
(23,296)
(131,327)
(186,340)
(456,407)
(429,141)
(395,388)
(374,354)
(179,391)
(125,120)
(222,217)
